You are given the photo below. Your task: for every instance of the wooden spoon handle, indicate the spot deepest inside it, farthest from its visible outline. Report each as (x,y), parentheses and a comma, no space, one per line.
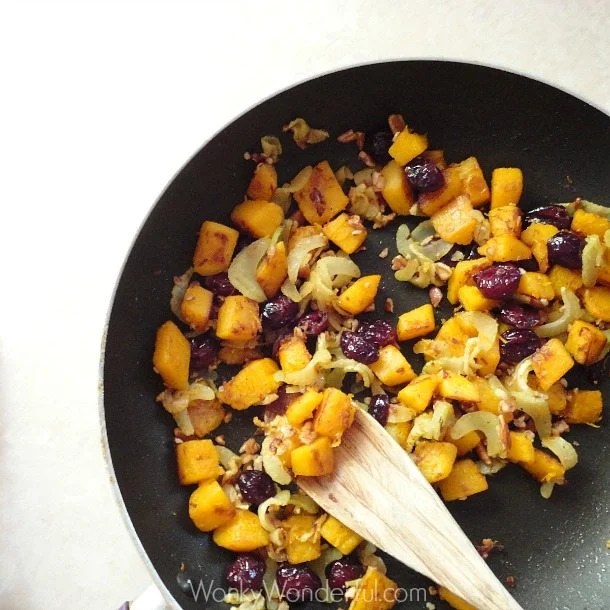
(379,492)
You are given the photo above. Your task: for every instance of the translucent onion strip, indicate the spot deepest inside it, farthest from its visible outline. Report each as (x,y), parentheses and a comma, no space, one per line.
(592,259)
(242,271)
(564,450)
(482,421)
(298,255)
(570,311)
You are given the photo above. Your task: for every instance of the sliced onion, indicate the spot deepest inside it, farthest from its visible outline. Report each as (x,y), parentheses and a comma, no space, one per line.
(304,502)
(226,457)
(400,413)
(481,421)
(299,254)
(181,283)
(595,208)
(538,411)
(364,176)
(347,365)
(493,468)
(564,450)
(485,325)
(183,421)
(435,249)
(273,465)
(592,259)
(402,240)
(242,271)
(299,181)
(546,489)
(570,311)
(310,374)
(281,498)
(424,230)
(290,290)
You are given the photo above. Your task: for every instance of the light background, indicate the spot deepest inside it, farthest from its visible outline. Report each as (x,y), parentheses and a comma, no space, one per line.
(100,105)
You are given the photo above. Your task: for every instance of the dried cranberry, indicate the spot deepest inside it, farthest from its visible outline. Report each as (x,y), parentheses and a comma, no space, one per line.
(516,344)
(204,352)
(555,215)
(379,332)
(380,408)
(520,316)
(313,323)
(565,249)
(219,284)
(356,347)
(377,144)
(245,573)
(279,311)
(341,571)
(528,264)
(280,404)
(255,486)
(424,174)
(498,281)
(297,583)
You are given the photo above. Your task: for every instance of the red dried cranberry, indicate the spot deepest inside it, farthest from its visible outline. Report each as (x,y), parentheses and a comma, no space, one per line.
(565,249)
(380,408)
(520,316)
(377,144)
(516,344)
(297,583)
(424,174)
(555,215)
(280,404)
(313,323)
(498,281)
(255,486)
(219,284)
(341,571)
(279,311)
(379,332)
(358,348)
(245,573)
(204,352)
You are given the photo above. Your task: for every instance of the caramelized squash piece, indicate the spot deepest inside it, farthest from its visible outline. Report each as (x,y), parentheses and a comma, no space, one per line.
(506,186)
(251,384)
(242,533)
(340,536)
(551,362)
(435,459)
(392,368)
(345,231)
(197,461)
(415,323)
(375,592)
(214,249)
(196,306)
(238,319)
(397,190)
(585,342)
(263,183)
(360,295)
(407,145)
(273,269)
(464,480)
(172,356)
(313,460)
(303,541)
(257,217)
(455,222)
(584,407)
(210,507)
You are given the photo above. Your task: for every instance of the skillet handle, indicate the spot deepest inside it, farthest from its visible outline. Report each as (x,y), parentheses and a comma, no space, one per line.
(149,599)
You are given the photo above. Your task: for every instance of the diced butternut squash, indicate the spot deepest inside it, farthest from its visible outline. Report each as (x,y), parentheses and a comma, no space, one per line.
(345,231)
(551,362)
(455,601)
(488,400)
(505,248)
(340,536)
(205,415)
(536,285)
(558,398)
(303,541)
(263,182)
(210,507)
(360,295)
(375,592)
(397,191)
(334,415)
(251,384)
(322,198)
(243,533)
(472,299)
(538,231)
(584,407)
(196,306)
(456,387)
(474,185)
(273,269)
(433,201)
(506,186)
(585,342)
(417,395)
(505,220)
(464,480)
(197,461)
(407,145)
(313,460)
(415,323)
(293,354)
(392,368)
(463,275)
(400,431)
(301,409)
(544,467)
(597,302)
(466,443)
(238,319)
(257,217)
(435,459)
(590,224)
(562,277)
(172,356)
(521,447)
(214,249)
(455,222)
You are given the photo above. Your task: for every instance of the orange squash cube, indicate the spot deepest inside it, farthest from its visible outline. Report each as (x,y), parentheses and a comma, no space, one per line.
(360,295)
(293,354)
(250,385)
(488,401)
(263,182)
(214,249)
(562,277)
(415,323)
(463,275)
(375,592)
(505,248)
(340,536)
(584,407)
(474,185)
(345,231)
(472,299)
(455,222)
(588,223)
(238,319)
(597,302)
(313,460)
(466,443)
(505,220)
(301,409)
(172,356)
(243,533)
(455,601)
(392,368)
(400,431)
(257,217)
(464,480)
(544,467)
(536,285)
(334,415)
(538,231)
(397,190)
(197,461)
(407,145)
(551,362)
(273,269)
(196,306)
(433,201)
(303,541)
(585,342)
(506,186)
(456,387)
(417,395)
(435,459)
(521,447)
(209,506)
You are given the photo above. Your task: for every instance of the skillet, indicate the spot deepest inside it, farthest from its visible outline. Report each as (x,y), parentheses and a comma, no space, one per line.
(555,549)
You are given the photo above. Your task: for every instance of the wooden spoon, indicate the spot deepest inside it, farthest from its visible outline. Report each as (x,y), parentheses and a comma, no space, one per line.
(377,491)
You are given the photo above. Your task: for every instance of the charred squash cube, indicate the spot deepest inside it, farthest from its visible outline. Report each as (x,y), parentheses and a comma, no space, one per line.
(214,249)
(585,342)
(238,319)
(257,217)
(251,385)
(263,183)
(551,362)
(172,356)
(584,407)
(360,295)
(397,190)
(464,480)
(392,368)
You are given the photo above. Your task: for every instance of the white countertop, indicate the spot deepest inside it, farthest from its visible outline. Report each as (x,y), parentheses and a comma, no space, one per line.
(101,104)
